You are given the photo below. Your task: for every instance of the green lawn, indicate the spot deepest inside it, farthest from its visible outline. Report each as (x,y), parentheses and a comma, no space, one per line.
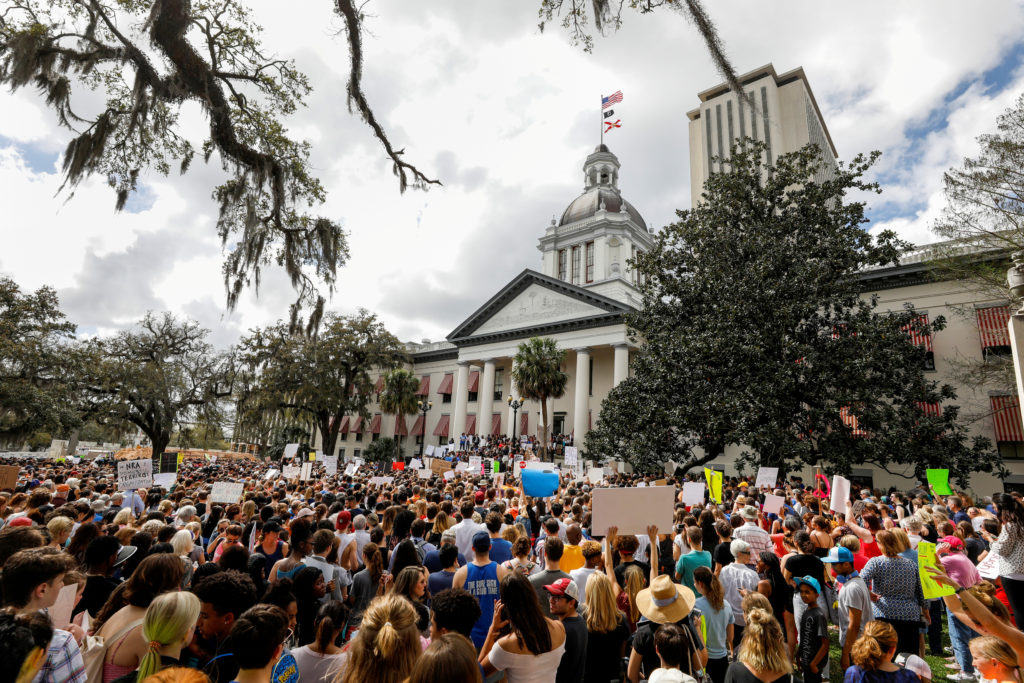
(938,664)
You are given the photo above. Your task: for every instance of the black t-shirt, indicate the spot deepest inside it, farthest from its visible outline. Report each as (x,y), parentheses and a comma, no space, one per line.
(812,627)
(975,547)
(604,653)
(97,591)
(807,565)
(643,643)
(573,664)
(723,554)
(620,571)
(739,673)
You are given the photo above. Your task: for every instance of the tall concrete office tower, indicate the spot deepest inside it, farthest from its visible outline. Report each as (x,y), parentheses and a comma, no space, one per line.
(786,118)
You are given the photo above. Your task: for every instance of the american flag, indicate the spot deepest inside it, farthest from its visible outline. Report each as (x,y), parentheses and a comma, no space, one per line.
(611,99)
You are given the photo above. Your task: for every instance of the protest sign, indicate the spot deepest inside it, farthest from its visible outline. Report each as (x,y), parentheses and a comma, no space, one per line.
(226,492)
(350,469)
(306,471)
(134,474)
(840,494)
(381,481)
(475,463)
(290,449)
(290,471)
(312,456)
(693,493)
(989,567)
(495,466)
(660,482)
(449,475)
(926,558)
(939,481)
(766,476)
(438,466)
(415,464)
(429,450)
(330,465)
(397,466)
(271,473)
(167,462)
(571,454)
(9,476)
(462,467)
(499,480)
(773,504)
(670,468)
(539,484)
(632,510)
(424,473)
(165,479)
(595,474)
(714,480)
(641,484)
(60,611)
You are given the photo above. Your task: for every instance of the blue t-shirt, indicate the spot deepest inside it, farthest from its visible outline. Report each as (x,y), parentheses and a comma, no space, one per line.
(439,581)
(717,627)
(483,583)
(501,550)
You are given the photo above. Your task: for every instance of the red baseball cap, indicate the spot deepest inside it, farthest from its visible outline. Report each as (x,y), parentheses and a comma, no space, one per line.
(566,587)
(479,496)
(20,521)
(953,541)
(344,517)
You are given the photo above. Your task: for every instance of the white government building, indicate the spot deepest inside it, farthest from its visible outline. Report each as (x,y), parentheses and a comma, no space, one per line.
(584,287)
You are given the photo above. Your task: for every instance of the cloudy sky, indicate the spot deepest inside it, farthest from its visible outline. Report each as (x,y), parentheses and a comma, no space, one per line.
(504,116)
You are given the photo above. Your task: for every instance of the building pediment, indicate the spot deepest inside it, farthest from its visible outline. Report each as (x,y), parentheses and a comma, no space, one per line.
(534,303)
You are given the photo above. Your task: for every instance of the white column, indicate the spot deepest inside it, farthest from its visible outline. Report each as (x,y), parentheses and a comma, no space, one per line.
(621,368)
(581,403)
(485,399)
(514,394)
(461,398)
(1016,326)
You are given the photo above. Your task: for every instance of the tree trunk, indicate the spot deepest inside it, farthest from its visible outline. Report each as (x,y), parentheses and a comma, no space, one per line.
(544,428)
(72,443)
(160,441)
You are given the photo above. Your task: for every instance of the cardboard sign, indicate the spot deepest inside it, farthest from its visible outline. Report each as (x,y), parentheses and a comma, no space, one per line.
(926,557)
(9,476)
(165,479)
(449,475)
(939,481)
(134,474)
(350,469)
(660,482)
(773,504)
(290,449)
(429,450)
(290,471)
(595,474)
(306,471)
(424,473)
(693,493)
(438,466)
(226,492)
(766,476)
(60,612)
(331,465)
(633,510)
(840,494)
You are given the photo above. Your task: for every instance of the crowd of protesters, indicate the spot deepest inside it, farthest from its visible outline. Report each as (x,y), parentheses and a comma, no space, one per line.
(463,578)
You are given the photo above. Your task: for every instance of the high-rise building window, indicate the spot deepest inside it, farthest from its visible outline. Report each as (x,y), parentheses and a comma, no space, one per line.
(764,116)
(590,261)
(576,265)
(707,127)
(561,265)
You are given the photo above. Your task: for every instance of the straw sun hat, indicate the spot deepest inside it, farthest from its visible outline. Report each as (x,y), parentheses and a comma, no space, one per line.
(665,602)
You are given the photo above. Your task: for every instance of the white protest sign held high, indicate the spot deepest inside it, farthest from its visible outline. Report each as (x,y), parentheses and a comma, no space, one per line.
(571,454)
(632,509)
(290,450)
(449,474)
(840,494)
(641,484)
(290,471)
(766,476)
(271,473)
(331,465)
(350,469)
(381,481)
(773,504)
(693,493)
(226,492)
(424,473)
(429,450)
(462,467)
(134,474)
(595,474)
(306,471)
(475,461)
(60,612)
(165,479)
(415,464)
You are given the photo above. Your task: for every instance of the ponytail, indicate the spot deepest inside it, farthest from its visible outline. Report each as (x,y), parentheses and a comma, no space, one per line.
(169,618)
(329,620)
(374,561)
(870,649)
(386,641)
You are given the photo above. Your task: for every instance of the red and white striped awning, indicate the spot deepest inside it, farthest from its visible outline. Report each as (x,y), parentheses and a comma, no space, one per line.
(446,384)
(850,420)
(375,424)
(343,430)
(471,424)
(424,386)
(357,425)
(931,409)
(524,423)
(401,429)
(474,382)
(417,426)
(992,324)
(442,426)
(496,424)
(916,335)
(1006,416)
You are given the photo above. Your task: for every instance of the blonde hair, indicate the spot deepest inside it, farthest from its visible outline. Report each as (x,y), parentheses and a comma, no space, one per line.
(387,644)
(870,649)
(602,613)
(59,525)
(248,510)
(169,619)
(763,646)
(125,517)
(902,539)
(634,584)
(850,542)
(442,522)
(990,647)
(179,674)
(753,601)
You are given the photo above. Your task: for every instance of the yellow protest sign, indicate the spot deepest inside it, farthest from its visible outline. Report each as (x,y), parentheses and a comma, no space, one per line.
(926,557)
(181,458)
(714,480)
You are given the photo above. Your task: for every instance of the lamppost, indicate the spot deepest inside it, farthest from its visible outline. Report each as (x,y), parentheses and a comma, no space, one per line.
(515,406)
(424,407)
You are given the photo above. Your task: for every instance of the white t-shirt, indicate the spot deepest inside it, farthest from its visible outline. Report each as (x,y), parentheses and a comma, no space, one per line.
(854,593)
(580,576)
(523,668)
(316,668)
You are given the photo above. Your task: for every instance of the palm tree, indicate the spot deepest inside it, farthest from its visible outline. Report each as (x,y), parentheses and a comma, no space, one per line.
(399,397)
(537,375)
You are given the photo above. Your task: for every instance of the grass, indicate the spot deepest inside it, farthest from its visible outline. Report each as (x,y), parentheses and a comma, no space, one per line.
(937,664)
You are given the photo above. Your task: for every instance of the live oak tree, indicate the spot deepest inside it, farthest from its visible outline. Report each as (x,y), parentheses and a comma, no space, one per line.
(399,399)
(755,334)
(157,376)
(313,378)
(38,364)
(538,376)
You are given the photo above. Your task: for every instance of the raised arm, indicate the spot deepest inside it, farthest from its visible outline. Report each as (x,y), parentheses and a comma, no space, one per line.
(652,534)
(609,561)
(980,613)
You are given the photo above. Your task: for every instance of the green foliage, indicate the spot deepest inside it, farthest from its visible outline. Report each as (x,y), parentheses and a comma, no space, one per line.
(40,441)
(282,436)
(399,396)
(311,378)
(38,364)
(537,375)
(383,450)
(755,334)
(157,375)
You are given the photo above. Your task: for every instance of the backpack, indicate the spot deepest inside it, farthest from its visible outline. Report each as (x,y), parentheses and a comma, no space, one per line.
(94,651)
(420,552)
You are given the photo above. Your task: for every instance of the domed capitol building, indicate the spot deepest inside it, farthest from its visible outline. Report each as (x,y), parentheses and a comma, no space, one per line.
(584,286)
